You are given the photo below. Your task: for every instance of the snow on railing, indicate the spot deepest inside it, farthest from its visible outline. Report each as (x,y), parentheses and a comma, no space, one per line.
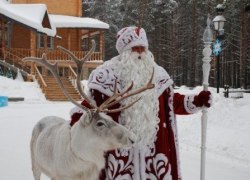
(58,55)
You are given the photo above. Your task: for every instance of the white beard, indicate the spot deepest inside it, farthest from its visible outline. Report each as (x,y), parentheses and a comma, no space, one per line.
(142,117)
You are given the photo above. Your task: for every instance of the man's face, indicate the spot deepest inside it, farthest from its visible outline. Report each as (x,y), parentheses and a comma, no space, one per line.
(139,52)
(138,49)
(136,66)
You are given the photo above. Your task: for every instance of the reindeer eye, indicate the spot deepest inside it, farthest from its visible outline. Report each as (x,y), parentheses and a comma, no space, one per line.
(100,124)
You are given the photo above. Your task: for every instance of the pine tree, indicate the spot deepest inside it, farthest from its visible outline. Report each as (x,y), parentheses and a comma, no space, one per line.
(175,35)
(9,74)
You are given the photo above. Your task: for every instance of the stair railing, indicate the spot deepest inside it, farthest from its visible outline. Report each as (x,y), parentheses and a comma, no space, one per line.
(15,60)
(14,68)
(41,81)
(72,76)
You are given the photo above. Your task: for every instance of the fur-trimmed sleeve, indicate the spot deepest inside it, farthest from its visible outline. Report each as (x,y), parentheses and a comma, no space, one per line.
(183,104)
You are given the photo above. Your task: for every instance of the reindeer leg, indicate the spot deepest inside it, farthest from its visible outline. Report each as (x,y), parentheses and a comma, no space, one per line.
(36,171)
(35,168)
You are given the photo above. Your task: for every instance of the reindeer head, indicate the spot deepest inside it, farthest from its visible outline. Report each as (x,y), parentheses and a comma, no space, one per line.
(103,132)
(94,121)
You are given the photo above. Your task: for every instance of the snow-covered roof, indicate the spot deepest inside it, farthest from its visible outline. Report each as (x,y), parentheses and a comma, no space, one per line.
(32,15)
(4,1)
(29,14)
(63,21)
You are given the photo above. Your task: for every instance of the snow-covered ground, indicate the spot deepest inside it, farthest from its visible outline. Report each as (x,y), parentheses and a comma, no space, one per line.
(228,144)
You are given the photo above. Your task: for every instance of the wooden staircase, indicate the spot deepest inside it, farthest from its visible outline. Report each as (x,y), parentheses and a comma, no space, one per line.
(54,93)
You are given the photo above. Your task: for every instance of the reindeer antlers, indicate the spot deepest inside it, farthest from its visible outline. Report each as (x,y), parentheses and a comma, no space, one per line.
(79,63)
(114,99)
(117,97)
(53,68)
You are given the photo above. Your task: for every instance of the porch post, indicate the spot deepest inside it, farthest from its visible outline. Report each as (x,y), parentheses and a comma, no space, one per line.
(79,34)
(45,37)
(69,39)
(88,40)
(45,40)
(101,46)
(3,34)
(32,50)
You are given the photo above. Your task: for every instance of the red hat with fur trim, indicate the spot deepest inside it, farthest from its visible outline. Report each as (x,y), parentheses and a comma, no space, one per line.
(129,37)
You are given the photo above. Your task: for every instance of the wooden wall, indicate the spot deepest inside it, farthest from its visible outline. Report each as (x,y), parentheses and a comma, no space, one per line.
(20,37)
(65,7)
(70,39)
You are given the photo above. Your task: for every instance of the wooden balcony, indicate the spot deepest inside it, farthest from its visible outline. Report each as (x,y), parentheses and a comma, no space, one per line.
(54,55)
(15,55)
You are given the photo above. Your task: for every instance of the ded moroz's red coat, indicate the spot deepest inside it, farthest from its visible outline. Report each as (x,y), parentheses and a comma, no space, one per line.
(160,161)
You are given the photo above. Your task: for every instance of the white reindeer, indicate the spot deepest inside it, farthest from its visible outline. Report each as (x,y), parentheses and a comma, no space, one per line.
(63,152)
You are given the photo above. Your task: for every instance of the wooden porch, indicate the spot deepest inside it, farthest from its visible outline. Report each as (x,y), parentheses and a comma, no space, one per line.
(51,54)
(14,56)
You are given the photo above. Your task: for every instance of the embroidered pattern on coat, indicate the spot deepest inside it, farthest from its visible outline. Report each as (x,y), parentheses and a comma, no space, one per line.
(156,165)
(103,79)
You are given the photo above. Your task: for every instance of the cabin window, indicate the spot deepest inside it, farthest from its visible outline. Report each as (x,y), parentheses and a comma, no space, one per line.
(50,41)
(86,42)
(41,41)
(5,33)
(8,31)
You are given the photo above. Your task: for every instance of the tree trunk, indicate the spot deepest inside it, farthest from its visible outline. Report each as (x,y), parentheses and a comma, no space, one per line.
(194,45)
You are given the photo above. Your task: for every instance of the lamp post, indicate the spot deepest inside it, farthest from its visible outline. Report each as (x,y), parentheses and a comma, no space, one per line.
(218,21)
(207,39)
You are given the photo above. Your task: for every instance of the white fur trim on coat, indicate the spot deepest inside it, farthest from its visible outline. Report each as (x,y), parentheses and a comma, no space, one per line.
(189,105)
(103,79)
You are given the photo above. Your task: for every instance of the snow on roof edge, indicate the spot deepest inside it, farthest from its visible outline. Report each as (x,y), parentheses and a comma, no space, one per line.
(26,15)
(20,14)
(64,21)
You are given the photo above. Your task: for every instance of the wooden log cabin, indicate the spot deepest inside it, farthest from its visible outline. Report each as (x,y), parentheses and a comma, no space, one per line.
(32,27)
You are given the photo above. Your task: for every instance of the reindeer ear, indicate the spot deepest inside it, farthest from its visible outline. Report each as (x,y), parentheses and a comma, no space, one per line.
(86,119)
